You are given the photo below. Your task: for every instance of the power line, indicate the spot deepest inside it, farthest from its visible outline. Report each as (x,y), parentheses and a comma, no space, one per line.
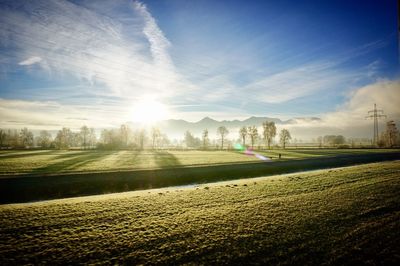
(375,114)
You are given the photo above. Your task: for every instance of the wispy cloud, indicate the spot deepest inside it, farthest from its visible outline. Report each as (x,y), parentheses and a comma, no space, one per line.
(52,115)
(296,82)
(158,42)
(30,61)
(293,80)
(68,39)
(117,49)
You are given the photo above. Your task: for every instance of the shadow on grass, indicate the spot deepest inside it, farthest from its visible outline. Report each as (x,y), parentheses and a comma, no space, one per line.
(71,161)
(164,159)
(31,188)
(132,156)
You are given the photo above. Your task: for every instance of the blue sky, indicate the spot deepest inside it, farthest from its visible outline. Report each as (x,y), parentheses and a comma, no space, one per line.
(71,62)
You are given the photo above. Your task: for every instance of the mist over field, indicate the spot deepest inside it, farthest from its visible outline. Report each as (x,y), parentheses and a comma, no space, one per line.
(156,132)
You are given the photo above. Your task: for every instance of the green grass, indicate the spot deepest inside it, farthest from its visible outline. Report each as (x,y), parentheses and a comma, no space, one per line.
(289,154)
(339,216)
(52,161)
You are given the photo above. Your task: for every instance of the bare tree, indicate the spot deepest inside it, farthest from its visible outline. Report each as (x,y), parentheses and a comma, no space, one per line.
(391,134)
(155,135)
(141,138)
(285,137)
(205,139)
(75,139)
(124,135)
(84,134)
(243,134)
(164,140)
(191,141)
(319,139)
(334,140)
(92,138)
(222,131)
(44,139)
(63,138)
(26,137)
(13,138)
(3,137)
(253,133)
(269,132)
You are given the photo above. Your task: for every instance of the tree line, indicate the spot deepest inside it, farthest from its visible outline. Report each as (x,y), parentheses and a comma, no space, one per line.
(115,138)
(64,139)
(125,137)
(249,133)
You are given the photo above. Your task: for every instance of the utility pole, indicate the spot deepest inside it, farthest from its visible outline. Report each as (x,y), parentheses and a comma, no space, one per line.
(375,114)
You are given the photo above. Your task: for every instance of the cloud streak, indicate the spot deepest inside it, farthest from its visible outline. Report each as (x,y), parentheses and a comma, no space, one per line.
(52,115)
(67,39)
(30,61)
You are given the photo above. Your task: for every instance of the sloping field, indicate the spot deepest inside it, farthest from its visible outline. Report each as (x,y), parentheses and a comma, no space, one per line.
(54,161)
(339,216)
(27,188)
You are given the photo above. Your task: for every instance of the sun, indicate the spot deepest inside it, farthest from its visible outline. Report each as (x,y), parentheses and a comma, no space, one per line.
(148,111)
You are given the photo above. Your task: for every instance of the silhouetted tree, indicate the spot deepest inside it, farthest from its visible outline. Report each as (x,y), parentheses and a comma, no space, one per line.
(191,141)
(284,137)
(92,137)
(63,138)
(269,132)
(124,132)
(155,135)
(339,140)
(26,138)
(319,139)
(44,139)
(3,137)
(391,134)
(164,140)
(253,133)
(334,140)
(13,139)
(84,134)
(243,134)
(141,138)
(205,138)
(222,131)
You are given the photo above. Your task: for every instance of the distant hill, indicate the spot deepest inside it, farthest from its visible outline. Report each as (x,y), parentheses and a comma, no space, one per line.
(175,128)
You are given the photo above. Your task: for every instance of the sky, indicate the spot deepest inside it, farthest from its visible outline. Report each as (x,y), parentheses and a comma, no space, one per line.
(100,63)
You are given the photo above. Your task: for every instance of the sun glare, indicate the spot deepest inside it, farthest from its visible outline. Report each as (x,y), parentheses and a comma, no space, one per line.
(148,111)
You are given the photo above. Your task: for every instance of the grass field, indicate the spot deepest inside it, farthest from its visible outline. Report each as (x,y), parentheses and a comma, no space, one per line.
(339,216)
(53,161)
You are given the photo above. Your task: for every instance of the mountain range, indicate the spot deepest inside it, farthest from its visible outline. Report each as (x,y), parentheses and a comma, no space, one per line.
(175,128)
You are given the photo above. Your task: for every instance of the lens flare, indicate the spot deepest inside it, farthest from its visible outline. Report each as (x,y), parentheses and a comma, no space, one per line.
(261,157)
(250,152)
(239,147)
